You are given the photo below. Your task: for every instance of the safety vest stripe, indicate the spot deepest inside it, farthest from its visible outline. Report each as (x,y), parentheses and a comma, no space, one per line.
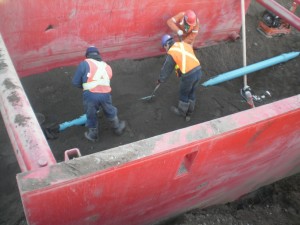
(98,77)
(183,57)
(93,84)
(187,53)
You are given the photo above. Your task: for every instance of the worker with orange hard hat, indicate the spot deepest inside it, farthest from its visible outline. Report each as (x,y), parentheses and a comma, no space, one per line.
(185,25)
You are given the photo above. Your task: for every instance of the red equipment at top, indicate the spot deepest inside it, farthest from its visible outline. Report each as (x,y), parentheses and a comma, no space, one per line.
(277,20)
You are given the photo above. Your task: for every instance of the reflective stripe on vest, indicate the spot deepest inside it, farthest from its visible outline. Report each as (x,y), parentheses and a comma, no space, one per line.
(97,76)
(184,56)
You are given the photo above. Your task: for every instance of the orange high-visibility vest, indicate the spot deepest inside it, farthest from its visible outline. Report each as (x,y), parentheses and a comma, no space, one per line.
(184,57)
(99,77)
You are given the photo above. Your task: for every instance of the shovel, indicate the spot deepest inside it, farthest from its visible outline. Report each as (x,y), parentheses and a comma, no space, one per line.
(148,98)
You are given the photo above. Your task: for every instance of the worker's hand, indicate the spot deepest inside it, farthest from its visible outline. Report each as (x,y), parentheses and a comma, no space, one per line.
(179,33)
(158,82)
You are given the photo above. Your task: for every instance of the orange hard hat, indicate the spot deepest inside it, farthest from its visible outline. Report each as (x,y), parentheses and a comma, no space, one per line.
(190,17)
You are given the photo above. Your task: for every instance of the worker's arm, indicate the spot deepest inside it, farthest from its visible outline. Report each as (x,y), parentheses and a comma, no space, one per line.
(80,74)
(166,69)
(191,36)
(172,22)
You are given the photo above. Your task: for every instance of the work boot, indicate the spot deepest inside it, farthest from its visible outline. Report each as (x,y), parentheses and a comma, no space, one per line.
(182,108)
(118,126)
(190,110)
(191,107)
(91,134)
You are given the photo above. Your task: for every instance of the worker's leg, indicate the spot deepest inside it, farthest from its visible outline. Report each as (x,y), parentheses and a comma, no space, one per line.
(183,103)
(117,125)
(192,95)
(111,113)
(193,81)
(91,107)
(186,91)
(191,108)
(181,109)
(91,134)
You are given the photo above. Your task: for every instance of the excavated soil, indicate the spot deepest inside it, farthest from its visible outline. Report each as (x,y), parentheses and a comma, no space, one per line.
(52,95)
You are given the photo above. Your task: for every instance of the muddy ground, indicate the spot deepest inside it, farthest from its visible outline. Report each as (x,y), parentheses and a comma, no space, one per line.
(52,94)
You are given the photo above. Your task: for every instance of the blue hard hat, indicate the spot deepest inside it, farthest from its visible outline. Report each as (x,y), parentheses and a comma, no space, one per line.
(92,50)
(165,39)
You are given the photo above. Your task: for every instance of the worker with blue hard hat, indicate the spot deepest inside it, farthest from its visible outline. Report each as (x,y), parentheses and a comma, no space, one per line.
(181,56)
(93,76)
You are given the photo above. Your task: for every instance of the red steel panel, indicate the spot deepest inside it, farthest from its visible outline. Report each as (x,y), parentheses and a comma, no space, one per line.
(41,35)
(29,143)
(156,178)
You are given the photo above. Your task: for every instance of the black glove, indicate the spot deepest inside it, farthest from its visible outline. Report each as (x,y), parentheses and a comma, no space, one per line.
(177,71)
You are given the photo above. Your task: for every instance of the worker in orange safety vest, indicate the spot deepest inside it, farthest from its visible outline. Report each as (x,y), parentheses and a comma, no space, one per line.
(185,25)
(93,76)
(180,56)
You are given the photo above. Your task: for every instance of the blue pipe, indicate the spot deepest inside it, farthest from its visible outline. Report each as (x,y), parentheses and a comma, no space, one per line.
(251,68)
(79,121)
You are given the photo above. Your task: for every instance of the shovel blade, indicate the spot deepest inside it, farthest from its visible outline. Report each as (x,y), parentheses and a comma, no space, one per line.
(147,98)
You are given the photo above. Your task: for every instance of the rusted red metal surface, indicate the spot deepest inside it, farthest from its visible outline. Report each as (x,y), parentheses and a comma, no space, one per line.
(29,143)
(146,181)
(41,35)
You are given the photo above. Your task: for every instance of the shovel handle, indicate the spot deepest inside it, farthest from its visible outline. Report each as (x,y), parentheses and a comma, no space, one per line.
(152,95)
(157,86)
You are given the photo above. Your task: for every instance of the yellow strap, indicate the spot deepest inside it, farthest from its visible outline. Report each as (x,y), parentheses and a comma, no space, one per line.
(183,55)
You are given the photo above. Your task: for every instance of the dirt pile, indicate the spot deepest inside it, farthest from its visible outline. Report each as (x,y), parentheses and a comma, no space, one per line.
(52,94)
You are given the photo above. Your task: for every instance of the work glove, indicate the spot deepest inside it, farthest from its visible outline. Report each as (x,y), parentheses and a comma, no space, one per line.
(177,71)
(179,33)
